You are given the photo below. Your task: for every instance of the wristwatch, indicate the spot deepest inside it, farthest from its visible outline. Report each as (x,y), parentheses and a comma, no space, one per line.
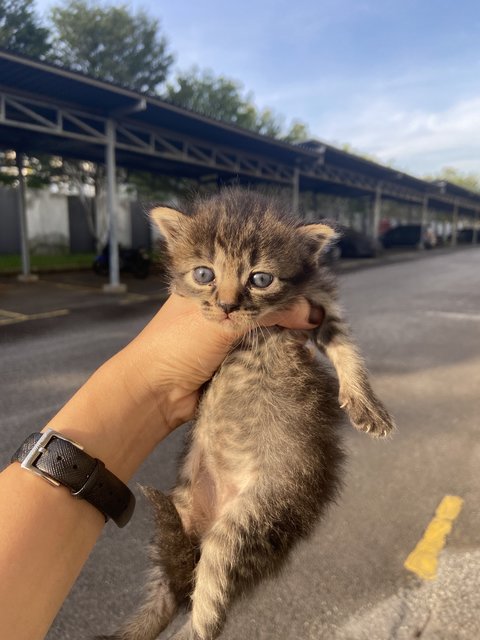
(62,461)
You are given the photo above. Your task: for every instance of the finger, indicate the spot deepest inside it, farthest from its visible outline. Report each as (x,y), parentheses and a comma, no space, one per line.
(301,315)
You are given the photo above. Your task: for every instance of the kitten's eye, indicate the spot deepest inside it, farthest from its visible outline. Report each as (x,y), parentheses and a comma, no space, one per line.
(203,275)
(261,280)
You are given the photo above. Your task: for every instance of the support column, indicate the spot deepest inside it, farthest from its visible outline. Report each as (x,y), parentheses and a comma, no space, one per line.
(454,224)
(114,286)
(444,229)
(425,223)
(26,275)
(377,211)
(425,220)
(476,221)
(296,191)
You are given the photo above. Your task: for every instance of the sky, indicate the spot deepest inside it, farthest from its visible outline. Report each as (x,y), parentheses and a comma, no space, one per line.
(398,79)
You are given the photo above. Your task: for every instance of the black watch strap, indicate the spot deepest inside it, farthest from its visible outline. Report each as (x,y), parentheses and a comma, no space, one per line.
(62,461)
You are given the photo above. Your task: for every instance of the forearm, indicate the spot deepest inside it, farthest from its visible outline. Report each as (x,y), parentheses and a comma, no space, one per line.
(46,535)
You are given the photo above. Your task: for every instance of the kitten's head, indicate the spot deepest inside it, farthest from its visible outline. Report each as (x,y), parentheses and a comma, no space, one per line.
(239,254)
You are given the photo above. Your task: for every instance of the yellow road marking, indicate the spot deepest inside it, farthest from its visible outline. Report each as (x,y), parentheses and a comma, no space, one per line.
(11,314)
(18,317)
(423,561)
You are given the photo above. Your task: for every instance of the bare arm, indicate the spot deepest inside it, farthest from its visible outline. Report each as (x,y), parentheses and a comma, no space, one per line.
(119,415)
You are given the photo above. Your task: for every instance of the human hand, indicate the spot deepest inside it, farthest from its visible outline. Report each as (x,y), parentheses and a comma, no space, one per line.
(179,350)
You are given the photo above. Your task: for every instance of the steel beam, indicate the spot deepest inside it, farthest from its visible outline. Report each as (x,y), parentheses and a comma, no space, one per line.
(30,114)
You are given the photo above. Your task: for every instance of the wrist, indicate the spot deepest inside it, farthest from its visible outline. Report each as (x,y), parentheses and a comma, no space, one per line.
(115,418)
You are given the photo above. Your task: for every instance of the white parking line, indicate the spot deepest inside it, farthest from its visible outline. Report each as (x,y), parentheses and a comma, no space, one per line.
(454,315)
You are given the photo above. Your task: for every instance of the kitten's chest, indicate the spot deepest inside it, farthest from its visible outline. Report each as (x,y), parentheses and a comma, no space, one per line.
(240,416)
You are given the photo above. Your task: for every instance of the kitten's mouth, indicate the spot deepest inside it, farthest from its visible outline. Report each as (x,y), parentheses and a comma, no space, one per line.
(237,319)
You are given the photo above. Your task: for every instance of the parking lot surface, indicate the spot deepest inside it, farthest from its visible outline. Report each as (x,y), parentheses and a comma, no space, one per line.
(418,324)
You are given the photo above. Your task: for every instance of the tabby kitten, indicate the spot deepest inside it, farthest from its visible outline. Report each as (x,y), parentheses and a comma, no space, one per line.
(263,458)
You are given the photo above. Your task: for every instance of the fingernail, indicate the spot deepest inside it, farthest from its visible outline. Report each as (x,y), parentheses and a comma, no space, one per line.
(316,315)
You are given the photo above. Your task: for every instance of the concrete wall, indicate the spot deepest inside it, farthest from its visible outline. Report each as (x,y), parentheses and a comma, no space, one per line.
(124,231)
(47,220)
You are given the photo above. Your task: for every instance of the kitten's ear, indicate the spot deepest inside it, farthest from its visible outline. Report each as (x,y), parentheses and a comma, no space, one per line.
(168,221)
(319,235)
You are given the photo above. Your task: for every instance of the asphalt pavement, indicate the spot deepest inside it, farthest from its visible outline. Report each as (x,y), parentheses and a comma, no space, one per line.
(418,324)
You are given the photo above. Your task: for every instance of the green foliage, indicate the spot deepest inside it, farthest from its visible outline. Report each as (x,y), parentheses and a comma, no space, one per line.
(216,97)
(154,188)
(223,99)
(21,30)
(12,263)
(109,42)
(469,181)
(298,132)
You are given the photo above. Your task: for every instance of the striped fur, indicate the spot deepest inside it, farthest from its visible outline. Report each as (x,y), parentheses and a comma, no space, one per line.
(263,459)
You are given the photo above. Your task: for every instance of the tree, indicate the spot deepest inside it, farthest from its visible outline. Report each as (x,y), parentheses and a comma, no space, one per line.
(298,132)
(222,98)
(110,43)
(216,97)
(469,181)
(21,30)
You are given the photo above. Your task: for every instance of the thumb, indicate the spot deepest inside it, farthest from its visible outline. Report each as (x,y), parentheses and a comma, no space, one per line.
(301,315)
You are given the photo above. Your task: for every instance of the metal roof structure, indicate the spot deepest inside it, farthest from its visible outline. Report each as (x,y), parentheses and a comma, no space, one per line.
(50,110)
(53,110)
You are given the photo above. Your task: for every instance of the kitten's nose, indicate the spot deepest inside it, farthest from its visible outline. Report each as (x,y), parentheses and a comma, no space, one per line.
(228,307)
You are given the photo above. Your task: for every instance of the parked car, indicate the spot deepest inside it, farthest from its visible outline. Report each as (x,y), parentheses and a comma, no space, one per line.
(352,244)
(409,235)
(465,236)
(135,261)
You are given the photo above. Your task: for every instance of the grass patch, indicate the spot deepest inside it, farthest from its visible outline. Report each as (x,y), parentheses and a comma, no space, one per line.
(13,263)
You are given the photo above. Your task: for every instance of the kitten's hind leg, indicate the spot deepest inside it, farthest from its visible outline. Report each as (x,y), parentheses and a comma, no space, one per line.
(169,580)
(236,552)
(356,396)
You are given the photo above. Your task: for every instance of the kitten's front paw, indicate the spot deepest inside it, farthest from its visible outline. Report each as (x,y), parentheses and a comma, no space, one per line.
(367,414)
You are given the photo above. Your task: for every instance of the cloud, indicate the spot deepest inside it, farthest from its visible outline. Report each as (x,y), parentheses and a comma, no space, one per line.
(417,140)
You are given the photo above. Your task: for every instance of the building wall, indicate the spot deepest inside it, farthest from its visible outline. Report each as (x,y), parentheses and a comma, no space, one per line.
(124,231)
(47,221)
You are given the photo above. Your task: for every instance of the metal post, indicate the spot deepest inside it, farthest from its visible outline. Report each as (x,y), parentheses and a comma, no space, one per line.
(475,226)
(454,224)
(425,238)
(377,211)
(425,212)
(295,190)
(114,285)
(444,229)
(25,276)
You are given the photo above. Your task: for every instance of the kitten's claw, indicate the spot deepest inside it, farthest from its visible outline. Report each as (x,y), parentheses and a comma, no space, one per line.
(368,414)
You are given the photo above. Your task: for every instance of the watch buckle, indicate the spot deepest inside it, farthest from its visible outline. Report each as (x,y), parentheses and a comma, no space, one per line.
(38,449)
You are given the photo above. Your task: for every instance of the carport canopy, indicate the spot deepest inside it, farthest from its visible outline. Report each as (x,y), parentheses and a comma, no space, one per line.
(49,110)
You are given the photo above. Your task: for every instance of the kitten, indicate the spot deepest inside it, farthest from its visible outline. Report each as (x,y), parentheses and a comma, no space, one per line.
(264,457)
